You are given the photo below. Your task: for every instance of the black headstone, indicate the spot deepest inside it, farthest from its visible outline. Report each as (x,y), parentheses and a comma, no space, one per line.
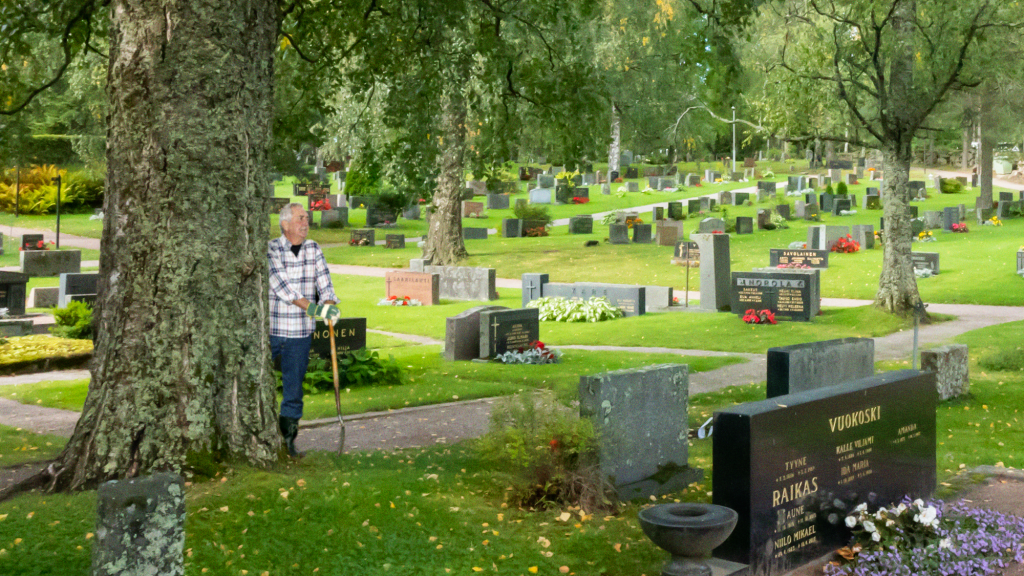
(813,365)
(793,467)
(675,210)
(925,260)
(788,294)
(812,258)
(581,224)
(362,238)
(744,225)
(474,233)
(642,234)
(462,334)
(12,292)
(32,242)
(349,336)
(504,330)
(511,228)
(394,241)
(533,287)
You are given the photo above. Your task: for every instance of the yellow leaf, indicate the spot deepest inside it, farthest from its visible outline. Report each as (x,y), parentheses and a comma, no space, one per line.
(563,569)
(618,547)
(532,569)
(477,569)
(564,517)
(224,509)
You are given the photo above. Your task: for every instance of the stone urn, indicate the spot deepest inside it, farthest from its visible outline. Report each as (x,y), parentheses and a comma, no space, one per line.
(689,532)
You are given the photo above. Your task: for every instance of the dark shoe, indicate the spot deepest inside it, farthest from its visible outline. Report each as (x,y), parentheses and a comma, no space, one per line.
(289,430)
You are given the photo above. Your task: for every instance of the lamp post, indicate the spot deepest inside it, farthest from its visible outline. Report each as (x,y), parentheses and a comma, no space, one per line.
(733,140)
(57,181)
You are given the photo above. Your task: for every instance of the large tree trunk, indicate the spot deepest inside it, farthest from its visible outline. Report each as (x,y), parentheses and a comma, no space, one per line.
(986,125)
(445,246)
(182,362)
(615,145)
(897,285)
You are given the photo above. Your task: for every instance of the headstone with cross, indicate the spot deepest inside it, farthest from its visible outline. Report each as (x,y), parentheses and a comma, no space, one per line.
(504,330)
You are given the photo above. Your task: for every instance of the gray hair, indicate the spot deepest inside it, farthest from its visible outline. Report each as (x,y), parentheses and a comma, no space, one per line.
(286,213)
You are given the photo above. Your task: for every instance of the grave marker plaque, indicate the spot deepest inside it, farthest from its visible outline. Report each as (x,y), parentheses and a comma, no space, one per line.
(788,294)
(422,286)
(812,258)
(793,467)
(394,241)
(926,261)
(504,330)
(349,336)
(362,238)
(686,250)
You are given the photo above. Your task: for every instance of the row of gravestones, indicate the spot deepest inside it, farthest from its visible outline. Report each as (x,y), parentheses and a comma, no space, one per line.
(36,259)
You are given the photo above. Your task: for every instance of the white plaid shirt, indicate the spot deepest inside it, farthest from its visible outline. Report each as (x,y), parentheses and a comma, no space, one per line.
(292,278)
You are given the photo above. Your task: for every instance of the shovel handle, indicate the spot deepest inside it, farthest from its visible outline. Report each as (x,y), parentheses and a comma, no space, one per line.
(334,369)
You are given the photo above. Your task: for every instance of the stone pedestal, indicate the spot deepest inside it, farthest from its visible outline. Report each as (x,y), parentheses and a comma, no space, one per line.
(950,366)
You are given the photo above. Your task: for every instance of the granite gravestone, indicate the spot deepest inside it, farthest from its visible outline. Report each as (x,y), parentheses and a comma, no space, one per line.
(349,336)
(462,334)
(950,216)
(864,234)
(533,287)
(744,225)
(783,210)
(540,196)
(497,202)
(740,198)
(791,294)
(686,251)
(504,330)
(640,420)
(37,263)
(692,206)
(949,363)
(814,365)
(12,292)
(826,200)
(632,187)
(812,212)
(632,300)
(362,238)
(812,258)
(421,286)
(725,198)
(472,209)
(335,218)
(711,225)
(394,241)
(675,211)
(581,224)
(925,261)
(714,271)
(642,234)
(667,233)
(793,467)
(840,205)
(658,213)
(82,284)
(377,215)
(932,219)
(618,234)
(474,233)
(512,228)
(461,282)
(764,220)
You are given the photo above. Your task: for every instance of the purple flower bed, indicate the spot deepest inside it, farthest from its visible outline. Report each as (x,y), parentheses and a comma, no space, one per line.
(963,542)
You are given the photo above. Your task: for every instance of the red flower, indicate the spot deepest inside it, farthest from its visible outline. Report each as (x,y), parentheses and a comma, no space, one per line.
(553,444)
(40,244)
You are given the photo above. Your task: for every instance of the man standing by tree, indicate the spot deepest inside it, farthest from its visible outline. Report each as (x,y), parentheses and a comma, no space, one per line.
(298,274)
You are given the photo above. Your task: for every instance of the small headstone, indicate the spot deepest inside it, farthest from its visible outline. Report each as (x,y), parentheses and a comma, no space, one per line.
(812,258)
(497,202)
(394,241)
(581,224)
(788,293)
(472,209)
(606,189)
(618,234)
(652,182)
(474,233)
(504,330)
(545,181)
(675,211)
(705,204)
(725,198)
(851,178)
(686,251)
(744,225)
(563,194)
(642,234)
(925,261)
(643,449)
(710,225)
(82,284)
(932,219)
(32,242)
(826,200)
(349,336)
(40,297)
(692,207)
(13,287)
(783,210)
(38,263)
(479,187)
(912,210)
(692,179)
(540,195)
(658,213)
(872,202)
(800,206)
(815,365)
(632,187)
(462,334)
(864,234)
(512,228)
(812,212)
(362,238)
(632,172)
(916,226)
(668,234)
(714,271)
(950,366)
(666,183)
(422,286)
(764,219)
(140,526)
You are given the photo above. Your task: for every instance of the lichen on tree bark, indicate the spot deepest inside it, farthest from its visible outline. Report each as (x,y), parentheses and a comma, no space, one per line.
(182,347)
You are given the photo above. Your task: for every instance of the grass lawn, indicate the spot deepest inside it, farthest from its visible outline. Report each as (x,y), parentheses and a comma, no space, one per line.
(74,224)
(429,380)
(18,446)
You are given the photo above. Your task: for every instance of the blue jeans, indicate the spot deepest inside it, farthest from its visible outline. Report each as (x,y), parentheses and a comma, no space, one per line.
(294,353)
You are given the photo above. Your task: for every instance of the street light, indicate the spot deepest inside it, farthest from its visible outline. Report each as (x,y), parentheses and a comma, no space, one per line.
(733,139)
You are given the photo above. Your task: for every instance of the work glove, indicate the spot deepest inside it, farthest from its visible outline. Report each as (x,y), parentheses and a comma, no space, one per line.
(326,312)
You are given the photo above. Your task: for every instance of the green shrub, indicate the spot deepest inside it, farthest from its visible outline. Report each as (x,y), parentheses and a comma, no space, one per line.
(37,193)
(575,309)
(545,454)
(75,321)
(841,189)
(829,190)
(774,154)
(532,212)
(950,186)
(363,179)
(1003,360)
(360,368)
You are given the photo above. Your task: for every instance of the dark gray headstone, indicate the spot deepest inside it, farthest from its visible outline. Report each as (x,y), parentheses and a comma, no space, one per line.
(394,241)
(38,263)
(675,211)
(581,224)
(140,526)
(826,201)
(32,242)
(812,212)
(504,330)
(793,467)
(814,365)
(640,420)
(618,234)
(710,225)
(642,234)
(740,198)
(349,336)
(714,271)
(925,260)
(511,228)
(864,234)
(606,189)
(744,225)
(497,202)
(932,219)
(658,213)
(465,282)
(82,284)
(788,293)
(812,258)
(632,300)
(376,215)
(840,205)
(533,287)
(783,210)
(692,206)
(12,292)
(474,233)
(462,334)
(872,202)
(362,238)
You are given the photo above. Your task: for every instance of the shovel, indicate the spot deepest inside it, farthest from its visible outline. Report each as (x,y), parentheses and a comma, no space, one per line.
(337,388)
